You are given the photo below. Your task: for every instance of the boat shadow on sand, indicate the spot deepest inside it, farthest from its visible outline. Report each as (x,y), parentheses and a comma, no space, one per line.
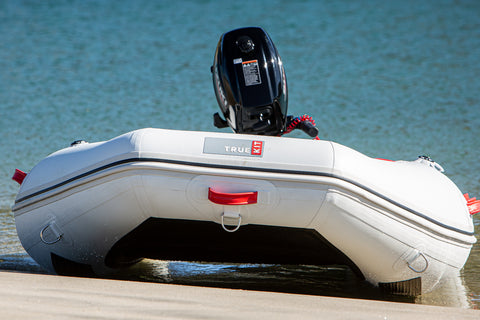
(335,281)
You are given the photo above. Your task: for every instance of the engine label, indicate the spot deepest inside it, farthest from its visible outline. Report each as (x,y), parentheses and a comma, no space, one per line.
(234,147)
(251,72)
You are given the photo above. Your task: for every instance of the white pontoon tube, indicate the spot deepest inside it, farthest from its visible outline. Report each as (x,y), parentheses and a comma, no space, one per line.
(203,196)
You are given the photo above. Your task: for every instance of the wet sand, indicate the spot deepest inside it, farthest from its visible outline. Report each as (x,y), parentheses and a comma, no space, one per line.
(27,296)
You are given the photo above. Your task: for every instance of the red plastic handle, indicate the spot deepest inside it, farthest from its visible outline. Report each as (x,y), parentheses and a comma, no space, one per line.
(473,204)
(19,176)
(232,198)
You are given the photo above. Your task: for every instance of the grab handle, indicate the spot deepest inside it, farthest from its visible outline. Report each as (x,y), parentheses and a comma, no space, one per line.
(235,216)
(234,199)
(54,229)
(425,266)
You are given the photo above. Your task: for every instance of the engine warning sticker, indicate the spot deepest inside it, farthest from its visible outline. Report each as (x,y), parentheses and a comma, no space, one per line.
(251,73)
(233,147)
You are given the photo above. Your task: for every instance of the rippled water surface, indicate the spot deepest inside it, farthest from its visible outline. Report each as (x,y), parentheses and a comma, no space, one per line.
(391,79)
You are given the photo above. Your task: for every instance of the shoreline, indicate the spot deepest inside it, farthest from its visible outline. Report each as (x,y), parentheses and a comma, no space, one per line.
(26,295)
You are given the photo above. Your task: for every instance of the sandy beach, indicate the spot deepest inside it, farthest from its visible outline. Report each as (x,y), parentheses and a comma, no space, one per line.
(27,296)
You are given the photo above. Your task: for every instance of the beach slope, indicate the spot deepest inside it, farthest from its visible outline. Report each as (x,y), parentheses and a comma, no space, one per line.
(28,296)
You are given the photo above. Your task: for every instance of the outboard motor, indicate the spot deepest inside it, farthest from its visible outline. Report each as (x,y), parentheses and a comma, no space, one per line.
(251,86)
(250,83)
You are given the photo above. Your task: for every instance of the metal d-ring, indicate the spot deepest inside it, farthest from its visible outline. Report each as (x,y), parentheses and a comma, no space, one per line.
(236,228)
(419,271)
(49,242)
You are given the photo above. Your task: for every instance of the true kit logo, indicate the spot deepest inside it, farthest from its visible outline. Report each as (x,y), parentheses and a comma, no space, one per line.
(234,147)
(257,148)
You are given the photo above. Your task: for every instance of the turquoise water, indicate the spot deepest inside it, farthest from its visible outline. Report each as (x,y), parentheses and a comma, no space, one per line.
(391,79)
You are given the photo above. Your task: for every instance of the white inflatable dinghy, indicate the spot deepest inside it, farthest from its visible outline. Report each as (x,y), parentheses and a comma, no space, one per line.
(204,196)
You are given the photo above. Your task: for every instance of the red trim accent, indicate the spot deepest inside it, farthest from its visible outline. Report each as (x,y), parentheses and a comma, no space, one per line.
(232,198)
(473,204)
(257,148)
(250,61)
(385,159)
(18,176)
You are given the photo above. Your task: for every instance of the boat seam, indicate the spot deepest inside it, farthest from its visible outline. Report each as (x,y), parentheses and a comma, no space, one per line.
(231,167)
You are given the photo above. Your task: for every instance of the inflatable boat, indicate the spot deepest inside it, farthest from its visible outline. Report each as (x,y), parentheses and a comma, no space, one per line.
(202,196)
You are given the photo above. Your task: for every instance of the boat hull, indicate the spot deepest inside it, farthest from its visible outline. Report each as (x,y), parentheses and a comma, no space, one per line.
(148,194)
